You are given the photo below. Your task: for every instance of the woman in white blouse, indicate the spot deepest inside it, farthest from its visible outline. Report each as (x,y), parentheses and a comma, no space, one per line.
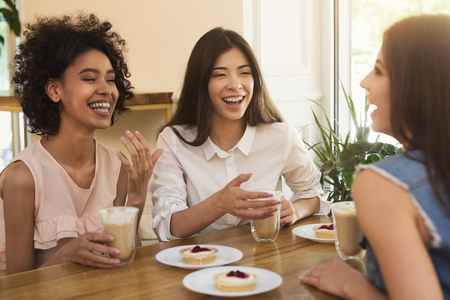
(226,138)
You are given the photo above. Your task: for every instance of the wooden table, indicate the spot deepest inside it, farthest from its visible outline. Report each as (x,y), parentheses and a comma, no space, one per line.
(146,278)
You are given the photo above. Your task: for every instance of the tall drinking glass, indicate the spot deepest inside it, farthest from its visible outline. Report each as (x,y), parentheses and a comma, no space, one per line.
(266,230)
(347,231)
(121,223)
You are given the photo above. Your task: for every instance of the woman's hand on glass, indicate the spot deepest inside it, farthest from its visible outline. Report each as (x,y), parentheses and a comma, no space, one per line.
(88,249)
(234,200)
(288,214)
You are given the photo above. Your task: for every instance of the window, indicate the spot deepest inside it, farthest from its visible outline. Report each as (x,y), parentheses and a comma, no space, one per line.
(6,153)
(370,18)
(11,124)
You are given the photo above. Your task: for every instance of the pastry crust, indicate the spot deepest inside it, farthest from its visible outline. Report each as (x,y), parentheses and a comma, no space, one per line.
(236,284)
(323,233)
(199,258)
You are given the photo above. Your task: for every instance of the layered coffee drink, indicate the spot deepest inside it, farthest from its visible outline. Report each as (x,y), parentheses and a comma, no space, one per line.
(120,222)
(347,231)
(266,230)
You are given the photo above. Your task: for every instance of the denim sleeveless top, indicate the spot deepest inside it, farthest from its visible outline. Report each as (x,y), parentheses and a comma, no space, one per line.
(409,173)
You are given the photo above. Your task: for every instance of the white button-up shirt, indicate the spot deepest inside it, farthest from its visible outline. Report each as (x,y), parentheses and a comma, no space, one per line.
(186,175)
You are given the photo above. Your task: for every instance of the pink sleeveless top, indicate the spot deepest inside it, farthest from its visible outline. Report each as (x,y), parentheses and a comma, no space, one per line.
(62,209)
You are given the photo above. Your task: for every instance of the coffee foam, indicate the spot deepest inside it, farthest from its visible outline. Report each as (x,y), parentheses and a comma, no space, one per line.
(345,209)
(118,216)
(276,195)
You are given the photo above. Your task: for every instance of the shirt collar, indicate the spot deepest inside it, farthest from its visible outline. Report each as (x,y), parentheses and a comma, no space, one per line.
(244,145)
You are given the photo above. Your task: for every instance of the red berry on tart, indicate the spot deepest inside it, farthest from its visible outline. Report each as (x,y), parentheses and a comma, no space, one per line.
(199,255)
(324,231)
(235,281)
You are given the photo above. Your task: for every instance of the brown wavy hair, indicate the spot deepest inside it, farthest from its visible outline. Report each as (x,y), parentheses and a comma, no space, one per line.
(51,45)
(195,107)
(417,55)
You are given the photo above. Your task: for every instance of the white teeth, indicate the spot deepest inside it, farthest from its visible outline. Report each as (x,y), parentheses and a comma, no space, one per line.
(101,110)
(104,106)
(235,99)
(100,104)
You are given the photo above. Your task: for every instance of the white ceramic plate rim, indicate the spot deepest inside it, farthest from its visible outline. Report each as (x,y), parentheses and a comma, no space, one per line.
(307,232)
(172,257)
(202,281)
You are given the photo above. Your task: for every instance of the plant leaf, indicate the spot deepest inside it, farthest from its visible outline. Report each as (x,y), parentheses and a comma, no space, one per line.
(357,149)
(338,166)
(376,148)
(326,167)
(351,107)
(12,18)
(373,158)
(389,149)
(11,5)
(7,14)
(365,144)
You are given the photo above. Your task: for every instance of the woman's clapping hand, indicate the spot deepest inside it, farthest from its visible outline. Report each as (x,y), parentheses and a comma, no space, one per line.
(140,169)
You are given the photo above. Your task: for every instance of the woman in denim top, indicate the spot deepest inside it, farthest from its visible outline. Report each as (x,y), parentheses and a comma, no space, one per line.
(403,203)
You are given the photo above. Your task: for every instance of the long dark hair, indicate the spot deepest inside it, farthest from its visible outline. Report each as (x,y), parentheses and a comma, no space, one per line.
(195,107)
(417,55)
(50,46)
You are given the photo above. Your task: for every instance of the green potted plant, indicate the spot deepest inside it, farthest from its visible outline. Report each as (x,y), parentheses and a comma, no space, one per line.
(10,14)
(338,155)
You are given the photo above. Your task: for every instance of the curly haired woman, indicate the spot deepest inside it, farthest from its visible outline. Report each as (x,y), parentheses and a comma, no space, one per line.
(71,79)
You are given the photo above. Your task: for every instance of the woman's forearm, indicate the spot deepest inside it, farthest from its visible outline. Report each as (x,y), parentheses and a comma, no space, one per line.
(194,219)
(306,207)
(361,288)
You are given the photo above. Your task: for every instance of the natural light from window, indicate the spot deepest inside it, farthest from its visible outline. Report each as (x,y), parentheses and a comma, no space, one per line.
(5,117)
(369,20)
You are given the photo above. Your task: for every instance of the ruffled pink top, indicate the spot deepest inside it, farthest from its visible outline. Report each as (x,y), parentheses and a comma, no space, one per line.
(62,209)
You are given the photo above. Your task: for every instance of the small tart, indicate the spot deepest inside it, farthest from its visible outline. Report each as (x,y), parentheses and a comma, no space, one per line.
(324,231)
(226,283)
(198,255)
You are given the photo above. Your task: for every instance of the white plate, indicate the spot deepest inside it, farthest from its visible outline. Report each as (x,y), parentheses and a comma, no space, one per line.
(172,257)
(202,281)
(307,232)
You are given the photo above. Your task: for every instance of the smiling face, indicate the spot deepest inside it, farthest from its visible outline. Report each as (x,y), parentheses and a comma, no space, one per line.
(231,86)
(87,91)
(378,87)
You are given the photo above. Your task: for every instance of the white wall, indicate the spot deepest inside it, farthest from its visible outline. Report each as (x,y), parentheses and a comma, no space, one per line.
(293,41)
(160,36)
(160,33)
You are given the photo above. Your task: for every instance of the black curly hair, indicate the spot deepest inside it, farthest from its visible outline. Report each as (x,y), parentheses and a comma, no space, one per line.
(51,45)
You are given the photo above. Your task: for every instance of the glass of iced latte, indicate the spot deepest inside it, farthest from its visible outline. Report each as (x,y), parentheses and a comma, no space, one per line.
(266,230)
(347,231)
(121,223)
